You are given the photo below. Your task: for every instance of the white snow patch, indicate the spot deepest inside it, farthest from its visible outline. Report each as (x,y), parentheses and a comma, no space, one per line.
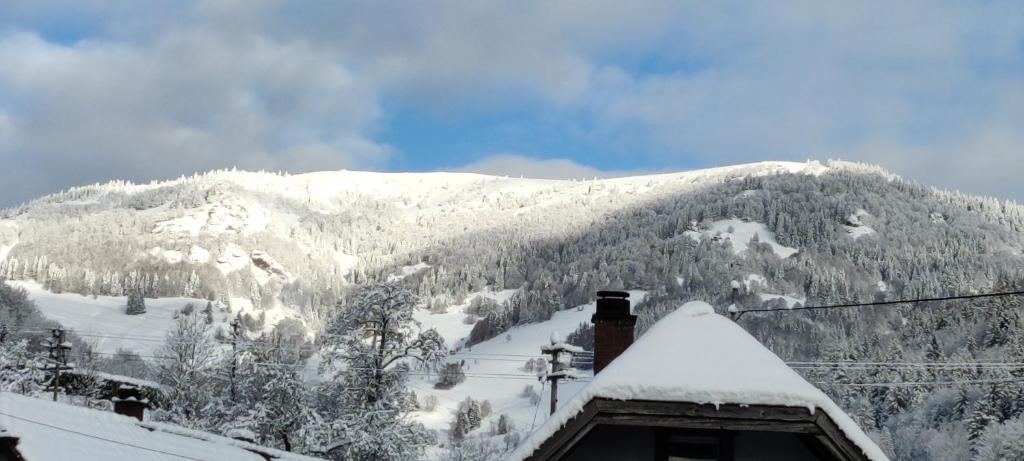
(720,363)
(103,318)
(232,259)
(345,262)
(265,268)
(451,323)
(855,226)
(198,255)
(104,324)
(755,280)
(228,217)
(738,233)
(791,301)
(8,237)
(5,250)
(273,312)
(406,271)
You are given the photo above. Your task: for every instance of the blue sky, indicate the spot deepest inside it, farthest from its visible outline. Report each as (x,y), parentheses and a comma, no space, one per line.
(932,90)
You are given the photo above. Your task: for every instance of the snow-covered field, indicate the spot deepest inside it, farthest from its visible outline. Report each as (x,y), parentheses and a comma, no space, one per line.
(493,368)
(102,321)
(451,324)
(738,233)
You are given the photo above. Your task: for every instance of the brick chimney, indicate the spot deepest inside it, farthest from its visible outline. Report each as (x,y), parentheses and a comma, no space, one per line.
(129,402)
(613,327)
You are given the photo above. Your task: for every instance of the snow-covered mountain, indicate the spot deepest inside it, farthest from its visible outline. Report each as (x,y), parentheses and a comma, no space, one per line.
(316,229)
(501,262)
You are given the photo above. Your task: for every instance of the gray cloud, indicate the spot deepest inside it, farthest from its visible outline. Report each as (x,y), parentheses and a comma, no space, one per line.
(921,87)
(188,101)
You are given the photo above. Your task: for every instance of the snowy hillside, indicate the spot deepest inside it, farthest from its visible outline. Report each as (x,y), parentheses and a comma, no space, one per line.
(498,264)
(277,229)
(101,320)
(494,370)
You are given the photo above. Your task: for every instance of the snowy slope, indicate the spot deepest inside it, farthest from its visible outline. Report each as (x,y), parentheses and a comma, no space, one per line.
(316,223)
(739,233)
(494,371)
(102,322)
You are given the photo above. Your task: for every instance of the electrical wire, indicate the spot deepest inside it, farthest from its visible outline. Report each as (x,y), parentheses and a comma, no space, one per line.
(64,429)
(736,315)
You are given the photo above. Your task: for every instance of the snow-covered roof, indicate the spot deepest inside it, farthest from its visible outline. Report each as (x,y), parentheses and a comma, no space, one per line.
(50,430)
(697,356)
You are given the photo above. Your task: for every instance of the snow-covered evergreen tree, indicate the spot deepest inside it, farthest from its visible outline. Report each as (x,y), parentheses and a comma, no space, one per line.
(136,303)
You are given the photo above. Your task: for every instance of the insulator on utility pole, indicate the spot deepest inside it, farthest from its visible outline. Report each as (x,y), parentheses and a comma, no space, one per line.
(57,361)
(559,370)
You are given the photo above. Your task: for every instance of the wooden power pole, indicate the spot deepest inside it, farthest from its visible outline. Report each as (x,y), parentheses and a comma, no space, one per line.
(559,369)
(57,362)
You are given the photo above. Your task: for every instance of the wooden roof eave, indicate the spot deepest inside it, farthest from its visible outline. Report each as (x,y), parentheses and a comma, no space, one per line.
(815,427)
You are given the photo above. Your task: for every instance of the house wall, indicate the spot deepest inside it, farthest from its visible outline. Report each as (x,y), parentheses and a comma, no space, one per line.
(767,446)
(637,443)
(625,443)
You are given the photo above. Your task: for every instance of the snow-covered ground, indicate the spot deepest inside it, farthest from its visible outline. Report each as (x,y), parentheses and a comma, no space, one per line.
(738,233)
(791,301)
(406,271)
(102,322)
(856,227)
(451,324)
(494,370)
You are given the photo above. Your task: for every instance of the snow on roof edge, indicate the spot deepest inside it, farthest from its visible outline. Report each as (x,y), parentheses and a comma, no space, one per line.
(692,318)
(88,433)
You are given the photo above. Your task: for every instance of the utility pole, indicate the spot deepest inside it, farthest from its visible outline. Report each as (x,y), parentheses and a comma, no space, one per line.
(559,369)
(57,361)
(236,329)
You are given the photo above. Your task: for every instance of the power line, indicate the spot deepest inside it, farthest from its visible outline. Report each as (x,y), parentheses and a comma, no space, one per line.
(736,315)
(854,362)
(100,438)
(925,383)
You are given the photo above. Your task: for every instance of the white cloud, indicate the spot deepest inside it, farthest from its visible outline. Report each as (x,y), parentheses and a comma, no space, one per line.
(169,89)
(527,167)
(192,100)
(989,162)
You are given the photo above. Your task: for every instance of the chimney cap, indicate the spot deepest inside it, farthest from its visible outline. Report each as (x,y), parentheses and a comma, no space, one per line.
(612,294)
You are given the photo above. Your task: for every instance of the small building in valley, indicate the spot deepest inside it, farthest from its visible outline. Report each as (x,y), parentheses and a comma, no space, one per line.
(696,386)
(34,429)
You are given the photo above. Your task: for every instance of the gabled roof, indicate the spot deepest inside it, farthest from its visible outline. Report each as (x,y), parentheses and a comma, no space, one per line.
(49,430)
(696,356)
